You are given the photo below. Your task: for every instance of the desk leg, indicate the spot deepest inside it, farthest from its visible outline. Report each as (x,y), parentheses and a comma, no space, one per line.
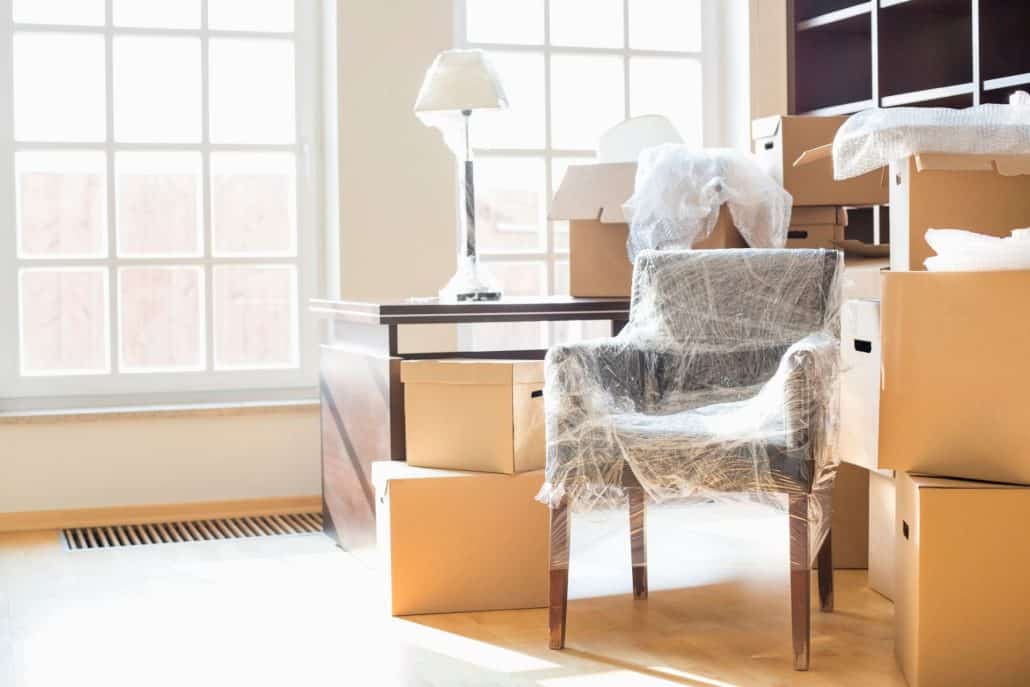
(362,422)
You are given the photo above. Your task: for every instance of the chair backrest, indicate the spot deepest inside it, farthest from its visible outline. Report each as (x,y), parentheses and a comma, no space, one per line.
(735,298)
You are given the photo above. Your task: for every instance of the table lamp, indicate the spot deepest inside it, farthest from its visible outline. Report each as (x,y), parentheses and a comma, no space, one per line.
(458,83)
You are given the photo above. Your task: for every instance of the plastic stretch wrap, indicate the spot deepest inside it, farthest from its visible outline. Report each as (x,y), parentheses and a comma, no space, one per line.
(723,385)
(967,251)
(873,139)
(678,193)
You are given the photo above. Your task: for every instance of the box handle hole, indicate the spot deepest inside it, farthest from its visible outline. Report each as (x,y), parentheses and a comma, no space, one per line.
(863,346)
(904,529)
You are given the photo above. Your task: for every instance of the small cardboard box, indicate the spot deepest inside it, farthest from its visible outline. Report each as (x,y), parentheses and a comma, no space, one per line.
(814,236)
(850,519)
(882,572)
(988,194)
(955,374)
(460,541)
(860,382)
(780,140)
(485,415)
(962,601)
(590,197)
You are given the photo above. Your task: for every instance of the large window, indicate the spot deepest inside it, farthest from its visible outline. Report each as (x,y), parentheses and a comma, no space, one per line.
(572,69)
(158,226)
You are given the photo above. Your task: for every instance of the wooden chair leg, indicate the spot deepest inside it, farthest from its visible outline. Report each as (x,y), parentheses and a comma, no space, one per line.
(559,575)
(638,540)
(824,562)
(800,580)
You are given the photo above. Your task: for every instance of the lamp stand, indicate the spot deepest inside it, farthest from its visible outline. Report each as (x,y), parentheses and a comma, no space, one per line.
(472,281)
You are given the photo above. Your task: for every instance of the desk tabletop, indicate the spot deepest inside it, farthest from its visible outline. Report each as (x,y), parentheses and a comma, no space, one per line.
(432,310)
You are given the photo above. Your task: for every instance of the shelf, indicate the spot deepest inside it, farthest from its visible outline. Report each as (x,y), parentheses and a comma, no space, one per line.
(924,45)
(835,17)
(928,95)
(1004,48)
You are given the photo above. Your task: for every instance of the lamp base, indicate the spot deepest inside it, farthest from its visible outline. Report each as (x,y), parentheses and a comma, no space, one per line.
(472,282)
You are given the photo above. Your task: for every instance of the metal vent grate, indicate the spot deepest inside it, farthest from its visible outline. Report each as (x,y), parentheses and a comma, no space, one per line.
(108,537)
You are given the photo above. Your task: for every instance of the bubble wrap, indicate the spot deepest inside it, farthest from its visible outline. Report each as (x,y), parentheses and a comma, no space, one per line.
(874,138)
(722,385)
(678,192)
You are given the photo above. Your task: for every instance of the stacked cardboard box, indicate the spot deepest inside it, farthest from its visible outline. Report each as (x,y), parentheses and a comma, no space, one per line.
(458,524)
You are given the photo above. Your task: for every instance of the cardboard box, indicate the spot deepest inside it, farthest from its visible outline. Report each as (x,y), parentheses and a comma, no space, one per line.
(882,572)
(962,602)
(779,141)
(460,541)
(989,194)
(850,520)
(818,214)
(814,236)
(860,383)
(955,375)
(485,415)
(590,197)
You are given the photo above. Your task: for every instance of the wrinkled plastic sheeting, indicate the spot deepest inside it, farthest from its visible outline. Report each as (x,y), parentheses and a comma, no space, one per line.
(723,385)
(966,251)
(872,139)
(678,193)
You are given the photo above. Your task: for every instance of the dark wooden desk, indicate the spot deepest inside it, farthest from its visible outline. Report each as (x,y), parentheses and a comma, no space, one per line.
(361,394)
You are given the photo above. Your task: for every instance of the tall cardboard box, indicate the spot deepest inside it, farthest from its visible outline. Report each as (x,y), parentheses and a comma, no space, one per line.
(955,375)
(460,541)
(591,197)
(962,603)
(483,415)
(780,140)
(988,194)
(882,570)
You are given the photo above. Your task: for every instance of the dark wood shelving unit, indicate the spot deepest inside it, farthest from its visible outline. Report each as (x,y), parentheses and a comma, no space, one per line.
(845,56)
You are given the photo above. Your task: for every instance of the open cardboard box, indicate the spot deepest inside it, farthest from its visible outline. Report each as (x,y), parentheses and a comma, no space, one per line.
(591,197)
(780,140)
(962,600)
(988,194)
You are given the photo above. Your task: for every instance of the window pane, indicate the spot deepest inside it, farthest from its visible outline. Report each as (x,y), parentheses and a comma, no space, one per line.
(61,204)
(161,318)
(668,86)
(87,12)
(523,124)
(165,14)
(250,15)
(587,97)
(560,228)
(253,203)
(63,321)
(504,21)
(58,87)
(252,98)
(516,279)
(665,24)
(157,89)
(590,23)
(255,316)
(509,204)
(158,204)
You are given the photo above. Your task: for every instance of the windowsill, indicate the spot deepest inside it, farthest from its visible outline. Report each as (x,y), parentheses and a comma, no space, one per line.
(156,411)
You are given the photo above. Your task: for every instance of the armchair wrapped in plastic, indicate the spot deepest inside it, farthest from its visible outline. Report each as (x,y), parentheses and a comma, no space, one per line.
(722,385)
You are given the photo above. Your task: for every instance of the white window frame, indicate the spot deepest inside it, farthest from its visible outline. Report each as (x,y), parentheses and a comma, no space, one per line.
(60,391)
(712,18)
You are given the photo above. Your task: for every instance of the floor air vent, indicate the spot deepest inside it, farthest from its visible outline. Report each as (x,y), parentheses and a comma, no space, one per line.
(109,537)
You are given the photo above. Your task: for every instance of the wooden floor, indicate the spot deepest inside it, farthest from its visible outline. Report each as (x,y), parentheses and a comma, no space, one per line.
(297,611)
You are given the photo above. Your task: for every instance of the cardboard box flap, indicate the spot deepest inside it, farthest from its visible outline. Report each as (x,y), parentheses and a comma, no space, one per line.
(506,372)
(1006,165)
(594,192)
(765,127)
(930,482)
